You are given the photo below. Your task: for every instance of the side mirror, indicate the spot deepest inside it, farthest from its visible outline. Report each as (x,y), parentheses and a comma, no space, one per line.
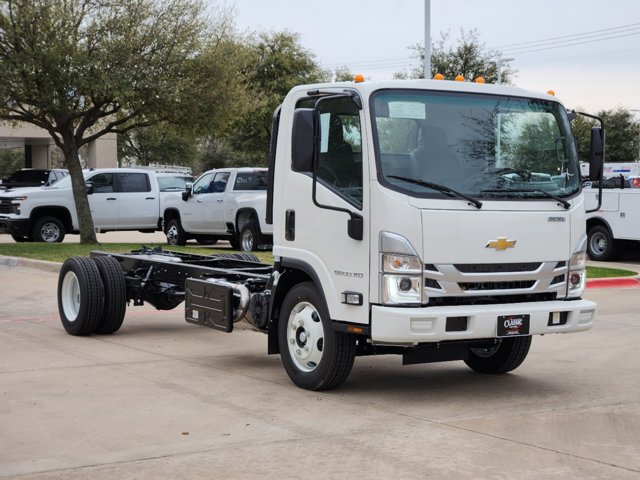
(596,154)
(303,144)
(89,187)
(187,193)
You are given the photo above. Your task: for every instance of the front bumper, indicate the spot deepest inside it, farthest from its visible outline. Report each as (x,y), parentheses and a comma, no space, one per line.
(18,227)
(410,326)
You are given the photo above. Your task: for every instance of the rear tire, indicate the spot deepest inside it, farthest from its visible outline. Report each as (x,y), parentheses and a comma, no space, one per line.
(600,245)
(115,295)
(80,296)
(314,355)
(502,358)
(49,230)
(175,234)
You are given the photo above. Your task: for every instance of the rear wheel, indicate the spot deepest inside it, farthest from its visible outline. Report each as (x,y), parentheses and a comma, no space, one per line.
(314,355)
(501,357)
(80,296)
(175,234)
(115,295)
(601,245)
(48,229)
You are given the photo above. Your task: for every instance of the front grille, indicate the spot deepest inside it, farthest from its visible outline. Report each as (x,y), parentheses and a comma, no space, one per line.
(495,279)
(489,299)
(497,267)
(480,286)
(6,208)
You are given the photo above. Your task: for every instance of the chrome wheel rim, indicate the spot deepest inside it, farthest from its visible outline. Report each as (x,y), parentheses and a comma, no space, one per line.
(598,243)
(50,232)
(247,240)
(70,295)
(172,234)
(305,337)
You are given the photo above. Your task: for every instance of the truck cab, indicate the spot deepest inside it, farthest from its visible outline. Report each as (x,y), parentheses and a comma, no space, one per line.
(423,212)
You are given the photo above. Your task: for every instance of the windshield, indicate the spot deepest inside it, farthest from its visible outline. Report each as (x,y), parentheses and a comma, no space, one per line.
(173,183)
(480,145)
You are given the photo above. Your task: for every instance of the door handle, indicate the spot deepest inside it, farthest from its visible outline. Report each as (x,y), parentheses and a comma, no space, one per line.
(290,225)
(220,200)
(150,198)
(200,200)
(111,198)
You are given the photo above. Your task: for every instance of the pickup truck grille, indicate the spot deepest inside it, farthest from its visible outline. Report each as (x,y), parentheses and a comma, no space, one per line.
(5,208)
(464,283)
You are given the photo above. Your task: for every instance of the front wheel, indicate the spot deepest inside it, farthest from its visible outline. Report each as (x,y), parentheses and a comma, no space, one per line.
(48,229)
(314,355)
(249,236)
(500,357)
(175,234)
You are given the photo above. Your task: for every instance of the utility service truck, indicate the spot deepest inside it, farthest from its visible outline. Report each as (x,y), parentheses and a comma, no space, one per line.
(614,227)
(436,220)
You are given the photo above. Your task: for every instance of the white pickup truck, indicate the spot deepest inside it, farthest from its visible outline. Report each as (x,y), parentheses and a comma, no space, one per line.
(120,199)
(226,203)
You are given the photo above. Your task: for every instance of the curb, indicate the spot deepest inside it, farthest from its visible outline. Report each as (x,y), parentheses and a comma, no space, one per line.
(614,282)
(14,262)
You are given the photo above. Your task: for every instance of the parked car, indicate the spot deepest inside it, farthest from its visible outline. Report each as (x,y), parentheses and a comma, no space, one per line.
(227,203)
(119,198)
(33,177)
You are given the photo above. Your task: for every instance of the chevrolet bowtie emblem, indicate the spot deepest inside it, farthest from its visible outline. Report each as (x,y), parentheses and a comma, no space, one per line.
(501,243)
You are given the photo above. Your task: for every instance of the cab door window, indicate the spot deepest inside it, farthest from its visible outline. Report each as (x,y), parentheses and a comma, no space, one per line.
(340,160)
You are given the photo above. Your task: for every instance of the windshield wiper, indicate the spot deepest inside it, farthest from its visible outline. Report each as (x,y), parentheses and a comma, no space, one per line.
(561,201)
(440,188)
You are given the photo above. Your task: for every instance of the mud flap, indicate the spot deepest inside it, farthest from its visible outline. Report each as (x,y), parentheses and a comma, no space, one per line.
(209,305)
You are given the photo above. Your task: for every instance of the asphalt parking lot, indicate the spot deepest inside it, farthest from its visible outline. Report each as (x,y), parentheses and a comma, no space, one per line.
(164,399)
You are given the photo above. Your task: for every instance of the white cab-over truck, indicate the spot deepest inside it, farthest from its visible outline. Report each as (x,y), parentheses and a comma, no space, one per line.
(119,198)
(428,219)
(614,227)
(226,203)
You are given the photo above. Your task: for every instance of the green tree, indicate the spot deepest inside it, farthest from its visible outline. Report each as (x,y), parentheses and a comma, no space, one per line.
(276,63)
(84,68)
(343,74)
(622,135)
(468,57)
(162,144)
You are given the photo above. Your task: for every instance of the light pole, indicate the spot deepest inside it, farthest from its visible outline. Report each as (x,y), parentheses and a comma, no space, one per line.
(499,61)
(427,39)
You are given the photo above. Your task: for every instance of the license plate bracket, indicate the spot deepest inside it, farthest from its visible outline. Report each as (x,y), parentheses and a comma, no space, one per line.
(513,325)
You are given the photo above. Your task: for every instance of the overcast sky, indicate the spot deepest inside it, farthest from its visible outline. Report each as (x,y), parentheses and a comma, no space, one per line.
(600,70)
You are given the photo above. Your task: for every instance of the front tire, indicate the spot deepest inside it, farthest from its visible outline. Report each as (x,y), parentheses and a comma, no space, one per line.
(49,230)
(80,296)
(501,358)
(249,237)
(314,355)
(175,234)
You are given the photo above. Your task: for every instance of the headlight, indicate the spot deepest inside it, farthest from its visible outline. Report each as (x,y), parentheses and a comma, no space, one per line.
(401,272)
(577,277)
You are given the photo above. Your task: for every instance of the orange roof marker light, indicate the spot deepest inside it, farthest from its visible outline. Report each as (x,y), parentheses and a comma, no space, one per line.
(358,78)
(459,78)
(479,80)
(551,92)
(438,76)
